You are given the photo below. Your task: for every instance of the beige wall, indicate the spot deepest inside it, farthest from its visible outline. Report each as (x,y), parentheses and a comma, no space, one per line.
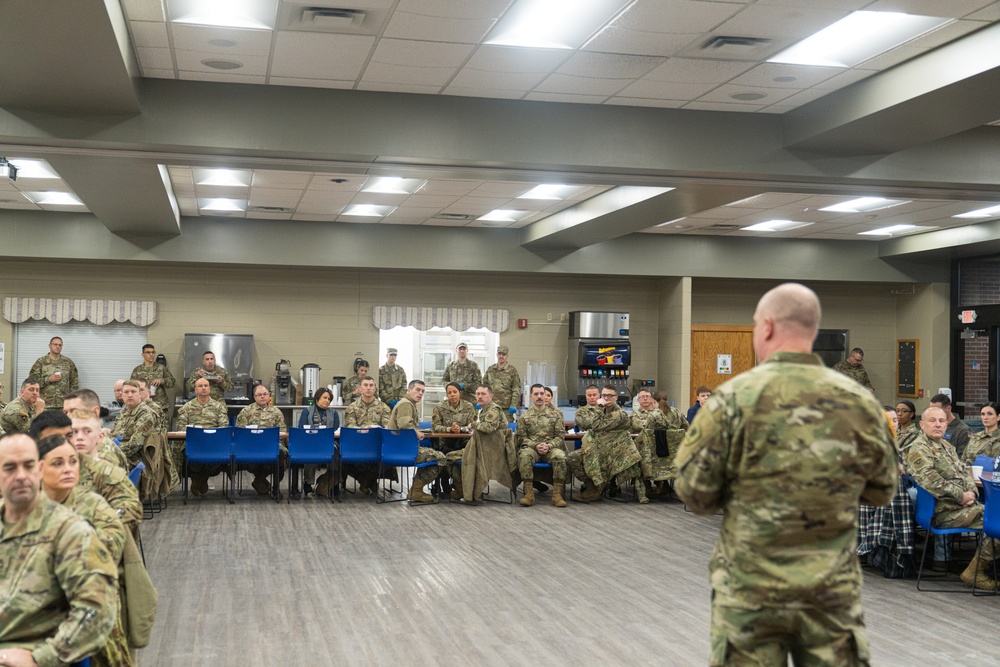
(924,315)
(675,340)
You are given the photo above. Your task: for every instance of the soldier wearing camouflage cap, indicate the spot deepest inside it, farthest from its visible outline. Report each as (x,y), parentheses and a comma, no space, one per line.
(465,372)
(786,451)
(391,379)
(505,382)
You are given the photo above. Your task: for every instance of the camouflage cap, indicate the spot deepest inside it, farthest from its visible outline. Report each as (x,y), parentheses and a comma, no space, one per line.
(461,345)
(392,350)
(503,349)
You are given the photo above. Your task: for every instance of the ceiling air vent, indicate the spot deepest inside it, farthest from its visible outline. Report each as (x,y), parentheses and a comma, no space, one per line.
(270,209)
(329,18)
(725,228)
(333,16)
(454,216)
(733,47)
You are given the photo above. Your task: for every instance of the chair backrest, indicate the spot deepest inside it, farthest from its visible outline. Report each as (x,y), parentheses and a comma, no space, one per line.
(991,510)
(925,508)
(256,445)
(310,445)
(985,461)
(135,474)
(513,426)
(424,426)
(399,448)
(208,445)
(360,445)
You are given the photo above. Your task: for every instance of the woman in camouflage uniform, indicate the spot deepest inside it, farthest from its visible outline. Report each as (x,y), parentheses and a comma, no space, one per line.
(987,441)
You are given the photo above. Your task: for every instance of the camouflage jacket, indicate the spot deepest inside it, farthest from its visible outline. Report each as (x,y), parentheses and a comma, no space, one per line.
(57,586)
(156,372)
(607,448)
(360,414)
(490,419)
(856,373)
(404,415)
(936,467)
(108,451)
(506,385)
(269,417)
(982,444)
(211,414)
(101,517)
(787,450)
(641,419)
(351,385)
(905,437)
(158,412)
(585,417)
(16,417)
(134,426)
(218,388)
(111,483)
(391,383)
(540,426)
(444,415)
(52,392)
(466,374)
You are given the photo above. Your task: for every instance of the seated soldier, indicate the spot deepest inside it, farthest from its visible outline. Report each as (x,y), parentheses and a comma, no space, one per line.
(539,438)
(452,415)
(489,453)
(264,415)
(658,435)
(405,416)
(367,411)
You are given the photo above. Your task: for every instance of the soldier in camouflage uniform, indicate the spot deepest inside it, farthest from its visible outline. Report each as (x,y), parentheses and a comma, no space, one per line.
(204,411)
(391,379)
(264,415)
(406,415)
(786,451)
(56,374)
(88,401)
(452,415)
(366,411)
(60,472)
(17,416)
(135,423)
(57,579)
(987,441)
(854,369)
(505,382)
(657,462)
(157,377)
(2,403)
(490,453)
(216,375)
(352,386)
(908,430)
(465,372)
(539,438)
(936,467)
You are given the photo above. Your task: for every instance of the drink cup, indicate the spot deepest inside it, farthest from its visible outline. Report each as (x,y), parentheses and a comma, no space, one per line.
(977,472)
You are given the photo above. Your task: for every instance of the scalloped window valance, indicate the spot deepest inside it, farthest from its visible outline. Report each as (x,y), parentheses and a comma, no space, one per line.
(422,319)
(19,309)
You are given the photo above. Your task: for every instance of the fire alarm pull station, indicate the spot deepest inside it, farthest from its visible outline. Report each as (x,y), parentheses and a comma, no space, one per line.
(522,324)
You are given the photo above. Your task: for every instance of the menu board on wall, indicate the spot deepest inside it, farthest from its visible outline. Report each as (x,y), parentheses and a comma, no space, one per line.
(907,367)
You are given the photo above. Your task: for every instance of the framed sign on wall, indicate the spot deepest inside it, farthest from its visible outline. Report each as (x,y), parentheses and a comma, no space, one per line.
(907,367)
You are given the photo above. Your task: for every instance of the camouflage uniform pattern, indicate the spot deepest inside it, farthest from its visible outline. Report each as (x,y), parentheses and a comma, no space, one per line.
(267,417)
(905,438)
(444,415)
(217,389)
(405,415)
(52,392)
(586,416)
(856,373)
(110,531)
(787,450)
(352,385)
(466,374)
(112,483)
(108,451)
(212,414)
(534,428)
(16,417)
(982,444)
(134,426)
(57,586)
(156,372)
(607,451)
(391,383)
(644,423)
(360,414)
(505,384)
(490,454)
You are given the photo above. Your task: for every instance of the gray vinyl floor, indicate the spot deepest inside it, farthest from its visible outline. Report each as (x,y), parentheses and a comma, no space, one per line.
(357,583)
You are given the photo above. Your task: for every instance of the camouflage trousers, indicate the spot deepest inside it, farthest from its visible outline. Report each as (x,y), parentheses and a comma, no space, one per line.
(427,475)
(527,457)
(765,637)
(966,517)
(115,653)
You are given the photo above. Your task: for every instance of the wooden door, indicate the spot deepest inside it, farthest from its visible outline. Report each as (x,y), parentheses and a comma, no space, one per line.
(708,341)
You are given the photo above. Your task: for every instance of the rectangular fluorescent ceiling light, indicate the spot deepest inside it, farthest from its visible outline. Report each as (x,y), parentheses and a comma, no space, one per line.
(887,231)
(252,14)
(670,222)
(551,191)
(987,212)
(223,177)
(368,210)
(553,24)
(775,226)
(858,37)
(393,185)
(54,198)
(505,215)
(865,204)
(223,204)
(33,168)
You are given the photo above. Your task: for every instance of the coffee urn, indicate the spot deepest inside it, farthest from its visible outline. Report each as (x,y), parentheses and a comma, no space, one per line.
(309,377)
(283,383)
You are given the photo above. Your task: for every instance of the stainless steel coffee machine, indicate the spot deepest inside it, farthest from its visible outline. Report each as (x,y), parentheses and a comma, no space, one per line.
(309,377)
(283,383)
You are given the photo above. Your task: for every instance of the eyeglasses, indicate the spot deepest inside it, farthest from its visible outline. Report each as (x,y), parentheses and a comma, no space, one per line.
(615,396)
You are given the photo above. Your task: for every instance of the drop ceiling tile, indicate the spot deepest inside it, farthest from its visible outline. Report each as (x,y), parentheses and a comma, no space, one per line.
(951,8)
(144,10)
(845,78)
(646,102)
(575,86)
(476,205)
(318,208)
(422,212)
(694,70)
(393,220)
(266,178)
(310,83)
(323,184)
(777,21)
(378,198)
(640,43)
(423,79)
(490,58)
(154,58)
(845,5)
(420,54)
(483,89)
(399,88)
(150,33)
(770,74)
(221,77)
(725,92)
(890,58)
(507,189)
(194,61)
(666,90)
(463,9)
(273,197)
(228,191)
(677,16)
(198,38)
(442,222)
(359,219)
(410,25)
(565,97)
(431,201)
(608,65)
(700,105)
(158,73)
(947,33)
(441,187)
(268,215)
(320,56)
(313,217)
(988,13)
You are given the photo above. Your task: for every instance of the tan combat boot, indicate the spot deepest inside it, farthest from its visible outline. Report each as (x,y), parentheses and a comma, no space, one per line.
(557,491)
(417,494)
(529,494)
(981,575)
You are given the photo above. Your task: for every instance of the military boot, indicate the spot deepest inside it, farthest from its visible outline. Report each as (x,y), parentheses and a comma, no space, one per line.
(557,491)
(417,494)
(640,491)
(529,495)
(981,575)
(590,494)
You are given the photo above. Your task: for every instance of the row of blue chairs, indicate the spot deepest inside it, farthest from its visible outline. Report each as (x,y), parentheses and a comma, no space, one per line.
(232,447)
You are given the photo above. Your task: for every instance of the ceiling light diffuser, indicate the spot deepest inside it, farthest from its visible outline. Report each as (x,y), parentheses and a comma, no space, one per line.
(223,177)
(550,191)
(54,198)
(505,215)
(865,204)
(887,231)
(858,37)
(33,168)
(223,204)
(393,185)
(669,222)
(775,226)
(368,210)
(553,24)
(987,212)
(252,14)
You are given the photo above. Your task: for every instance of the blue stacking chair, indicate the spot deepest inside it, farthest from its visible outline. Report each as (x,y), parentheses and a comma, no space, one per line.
(258,446)
(985,461)
(134,476)
(991,524)
(924,513)
(309,446)
(209,446)
(399,450)
(360,446)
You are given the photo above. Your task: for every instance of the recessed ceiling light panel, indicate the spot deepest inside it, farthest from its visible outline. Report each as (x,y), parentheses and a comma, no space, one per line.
(368,210)
(775,226)
(223,177)
(505,215)
(28,168)
(393,185)
(865,204)
(54,198)
(553,191)
(222,204)
(887,231)
(988,212)
(250,14)
(553,24)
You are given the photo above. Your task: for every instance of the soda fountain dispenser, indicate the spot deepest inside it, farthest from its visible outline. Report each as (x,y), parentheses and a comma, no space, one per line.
(600,351)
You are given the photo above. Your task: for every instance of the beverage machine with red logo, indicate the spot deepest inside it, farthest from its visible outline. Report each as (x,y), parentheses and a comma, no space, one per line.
(600,353)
